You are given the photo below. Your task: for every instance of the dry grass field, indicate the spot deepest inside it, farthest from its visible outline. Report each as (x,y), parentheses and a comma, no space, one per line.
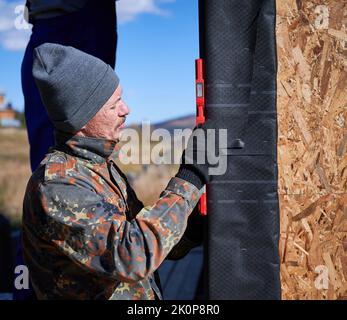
(14,172)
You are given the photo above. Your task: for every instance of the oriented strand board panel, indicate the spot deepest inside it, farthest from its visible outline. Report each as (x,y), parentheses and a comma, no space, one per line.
(312,147)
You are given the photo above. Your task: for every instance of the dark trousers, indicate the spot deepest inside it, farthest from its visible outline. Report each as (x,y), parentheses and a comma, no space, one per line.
(93,30)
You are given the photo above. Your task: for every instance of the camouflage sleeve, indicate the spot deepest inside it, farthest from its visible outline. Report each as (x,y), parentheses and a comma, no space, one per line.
(96,235)
(192,237)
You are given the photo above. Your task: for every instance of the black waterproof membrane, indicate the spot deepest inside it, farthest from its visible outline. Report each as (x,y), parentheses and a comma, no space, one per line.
(237,43)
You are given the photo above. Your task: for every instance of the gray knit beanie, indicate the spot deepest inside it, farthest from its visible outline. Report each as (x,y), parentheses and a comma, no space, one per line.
(73,85)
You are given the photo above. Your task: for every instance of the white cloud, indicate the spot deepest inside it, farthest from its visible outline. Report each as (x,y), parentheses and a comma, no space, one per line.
(129,10)
(5,24)
(14,38)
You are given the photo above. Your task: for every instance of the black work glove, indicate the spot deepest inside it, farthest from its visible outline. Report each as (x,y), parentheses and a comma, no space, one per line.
(194,161)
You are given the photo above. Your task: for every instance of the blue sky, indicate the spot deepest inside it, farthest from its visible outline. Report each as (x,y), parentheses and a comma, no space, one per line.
(158,43)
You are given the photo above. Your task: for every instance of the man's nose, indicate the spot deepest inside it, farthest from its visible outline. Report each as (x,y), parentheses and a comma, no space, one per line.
(123,110)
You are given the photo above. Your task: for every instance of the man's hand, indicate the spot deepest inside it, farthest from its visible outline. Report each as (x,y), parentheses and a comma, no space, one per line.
(195,158)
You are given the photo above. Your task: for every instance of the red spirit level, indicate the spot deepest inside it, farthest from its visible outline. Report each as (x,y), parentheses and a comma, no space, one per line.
(200,116)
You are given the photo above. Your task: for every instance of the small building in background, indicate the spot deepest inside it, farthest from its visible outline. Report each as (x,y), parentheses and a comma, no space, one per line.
(7,114)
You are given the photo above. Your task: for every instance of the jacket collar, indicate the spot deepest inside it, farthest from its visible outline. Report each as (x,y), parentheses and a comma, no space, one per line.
(93,149)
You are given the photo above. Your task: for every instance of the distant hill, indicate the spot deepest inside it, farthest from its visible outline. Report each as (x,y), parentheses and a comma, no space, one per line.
(170,125)
(177,123)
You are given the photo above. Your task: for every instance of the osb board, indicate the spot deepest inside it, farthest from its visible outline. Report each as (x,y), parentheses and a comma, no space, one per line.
(313,245)
(312,147)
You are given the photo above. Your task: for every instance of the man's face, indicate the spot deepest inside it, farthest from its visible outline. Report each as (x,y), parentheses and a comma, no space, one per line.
(108,123)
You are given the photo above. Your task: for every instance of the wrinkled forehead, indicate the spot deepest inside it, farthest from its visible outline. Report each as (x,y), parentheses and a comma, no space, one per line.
(115,96)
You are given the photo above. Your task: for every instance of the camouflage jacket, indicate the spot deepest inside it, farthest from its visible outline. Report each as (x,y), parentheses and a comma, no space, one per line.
(85,233)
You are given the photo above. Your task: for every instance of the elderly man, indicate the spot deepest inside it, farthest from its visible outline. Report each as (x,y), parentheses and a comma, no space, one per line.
(88,25)
(85,233)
